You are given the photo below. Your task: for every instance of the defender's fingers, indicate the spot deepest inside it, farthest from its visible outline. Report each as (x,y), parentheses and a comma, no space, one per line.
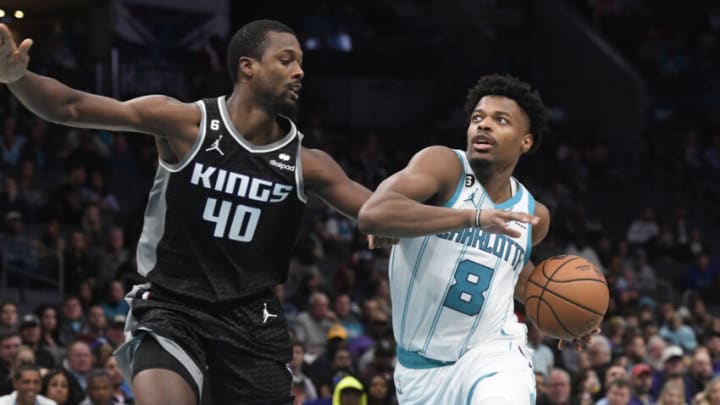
(561,344)
(507,230)
(371,242)
(521,217)
(24,47)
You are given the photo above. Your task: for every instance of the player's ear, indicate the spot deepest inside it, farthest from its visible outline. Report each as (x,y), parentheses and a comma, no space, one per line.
(527,142)
(246,67)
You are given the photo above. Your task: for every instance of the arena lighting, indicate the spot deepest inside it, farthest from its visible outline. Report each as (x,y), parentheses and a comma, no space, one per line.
(19,14)
(2,13)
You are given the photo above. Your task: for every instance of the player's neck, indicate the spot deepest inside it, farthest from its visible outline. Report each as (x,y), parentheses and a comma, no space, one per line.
(255,124)
(498,188)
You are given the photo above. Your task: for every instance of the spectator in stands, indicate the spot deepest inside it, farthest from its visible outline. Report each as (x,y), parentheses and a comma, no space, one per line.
(677,333)
(673,393)
(312,326)
(587,388)
(122,393)
(701,371)
(325,367)
(112,257)
(24,356)
(557,388)
(380,390)
(612,374)
(26,382)
(701,274)
(8,317)
(99,388)
(291,311)
(636,349)
(641,377)
(50,332)
(114,302)
(618,392)
(94,228)
(346,316)
(78,363)
(80,262)
(31,333)
(9,344)
(643,229)
(115,333)
(710,395)
(600,353)
(97,325)
(50,244)
(673,369)
(298,367)
(656,352)
(73,322)
(56,386)
(349,391)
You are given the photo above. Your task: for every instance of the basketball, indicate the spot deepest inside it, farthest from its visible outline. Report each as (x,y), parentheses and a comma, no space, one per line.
(566,296)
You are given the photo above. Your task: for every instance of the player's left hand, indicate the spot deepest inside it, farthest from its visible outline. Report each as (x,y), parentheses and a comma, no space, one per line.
(375,241)
(581,342)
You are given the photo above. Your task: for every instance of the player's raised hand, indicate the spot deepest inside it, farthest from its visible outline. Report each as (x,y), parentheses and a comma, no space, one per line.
(498,221)
(13,59)
(581,342)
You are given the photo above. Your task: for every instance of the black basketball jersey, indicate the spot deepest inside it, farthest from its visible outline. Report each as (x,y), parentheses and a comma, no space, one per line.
(219,224)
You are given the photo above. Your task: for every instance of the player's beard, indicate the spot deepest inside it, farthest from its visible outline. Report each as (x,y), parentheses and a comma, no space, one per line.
(278,104)
(482,168)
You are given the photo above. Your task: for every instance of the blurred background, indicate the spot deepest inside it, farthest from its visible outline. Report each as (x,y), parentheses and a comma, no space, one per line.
(630,171)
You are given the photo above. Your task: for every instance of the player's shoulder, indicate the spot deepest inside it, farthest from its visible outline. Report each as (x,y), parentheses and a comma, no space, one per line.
(318,167)
(436,158)
(312,158)
(434,152)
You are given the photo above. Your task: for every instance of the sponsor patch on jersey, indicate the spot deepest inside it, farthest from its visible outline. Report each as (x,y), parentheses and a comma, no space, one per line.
(281,165)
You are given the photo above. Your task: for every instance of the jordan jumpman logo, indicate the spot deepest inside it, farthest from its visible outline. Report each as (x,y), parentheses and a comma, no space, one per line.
(266,314)
(216,146)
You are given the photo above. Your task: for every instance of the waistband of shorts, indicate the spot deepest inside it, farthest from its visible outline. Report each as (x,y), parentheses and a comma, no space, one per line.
(415,360)
(161,293)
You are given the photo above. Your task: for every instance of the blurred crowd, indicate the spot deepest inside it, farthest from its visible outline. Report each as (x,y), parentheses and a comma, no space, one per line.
(71,204)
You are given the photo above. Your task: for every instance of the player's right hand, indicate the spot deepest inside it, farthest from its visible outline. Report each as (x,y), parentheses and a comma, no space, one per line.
(13,59)
(498,221)
(580,342)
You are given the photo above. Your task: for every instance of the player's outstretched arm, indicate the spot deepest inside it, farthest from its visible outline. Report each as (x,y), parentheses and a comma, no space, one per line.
(53,101)
(325,178)
(402,206)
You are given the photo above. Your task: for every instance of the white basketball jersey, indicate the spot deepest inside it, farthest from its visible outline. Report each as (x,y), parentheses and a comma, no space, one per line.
(453,291)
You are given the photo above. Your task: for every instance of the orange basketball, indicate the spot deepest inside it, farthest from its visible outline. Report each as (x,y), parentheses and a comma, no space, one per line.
(566,296)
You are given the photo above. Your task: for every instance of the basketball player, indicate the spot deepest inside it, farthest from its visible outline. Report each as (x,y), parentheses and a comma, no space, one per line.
(222,214)
(467,228)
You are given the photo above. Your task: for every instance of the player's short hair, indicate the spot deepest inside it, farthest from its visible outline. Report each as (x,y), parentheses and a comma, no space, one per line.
(515,89)
(249,40)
